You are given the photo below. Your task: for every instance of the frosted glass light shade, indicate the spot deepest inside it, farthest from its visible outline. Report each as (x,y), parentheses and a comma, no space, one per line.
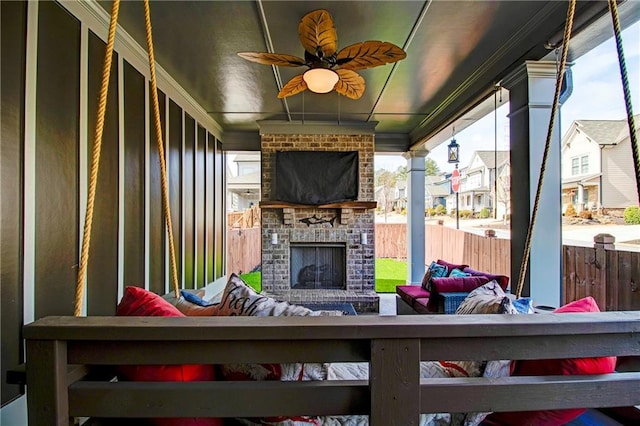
(320,80)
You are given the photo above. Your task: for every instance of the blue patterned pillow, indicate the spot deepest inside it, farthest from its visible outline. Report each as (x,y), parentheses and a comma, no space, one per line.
(458,273)
(437,270)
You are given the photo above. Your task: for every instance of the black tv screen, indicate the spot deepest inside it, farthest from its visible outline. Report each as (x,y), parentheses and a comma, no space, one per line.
(316,177)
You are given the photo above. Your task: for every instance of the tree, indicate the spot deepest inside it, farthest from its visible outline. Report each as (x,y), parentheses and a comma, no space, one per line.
(386,181)
(401,173)
(431,167)
(503,188)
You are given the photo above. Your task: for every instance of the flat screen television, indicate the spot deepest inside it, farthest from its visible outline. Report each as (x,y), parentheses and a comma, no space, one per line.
(316,177)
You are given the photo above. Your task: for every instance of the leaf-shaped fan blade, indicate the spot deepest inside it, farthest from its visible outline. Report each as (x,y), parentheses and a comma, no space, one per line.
(369,54)
(317,33)
(293,87)
(272,59)
(351,84)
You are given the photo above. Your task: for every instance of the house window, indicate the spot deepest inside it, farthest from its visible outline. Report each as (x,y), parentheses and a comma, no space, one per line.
(584,164)
(575,166)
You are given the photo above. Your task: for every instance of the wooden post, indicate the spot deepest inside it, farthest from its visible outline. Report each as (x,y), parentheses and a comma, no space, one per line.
(602,243)
(394,379)
(47,383)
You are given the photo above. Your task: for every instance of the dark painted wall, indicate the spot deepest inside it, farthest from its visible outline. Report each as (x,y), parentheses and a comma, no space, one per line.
(102,269)
(56,145)
(58,177)
(134,169)
(157,233)
(13,37)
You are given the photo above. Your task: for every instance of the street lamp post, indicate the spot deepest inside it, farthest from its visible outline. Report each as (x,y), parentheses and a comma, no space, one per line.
(453,150)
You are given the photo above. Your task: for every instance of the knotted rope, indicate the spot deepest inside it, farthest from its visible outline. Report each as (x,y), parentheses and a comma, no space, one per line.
(97,147)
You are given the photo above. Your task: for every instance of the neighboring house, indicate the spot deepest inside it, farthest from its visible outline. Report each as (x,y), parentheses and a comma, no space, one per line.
(400,196)
(477,182)
(436,190)
(243,186)
(597,165)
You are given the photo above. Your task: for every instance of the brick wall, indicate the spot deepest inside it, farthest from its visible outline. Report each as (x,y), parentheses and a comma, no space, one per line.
(346,228)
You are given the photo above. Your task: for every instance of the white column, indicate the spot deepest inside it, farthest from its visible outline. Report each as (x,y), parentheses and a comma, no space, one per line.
(415,216)
(531,89)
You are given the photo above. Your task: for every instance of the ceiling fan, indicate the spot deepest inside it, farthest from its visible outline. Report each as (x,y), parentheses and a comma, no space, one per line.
(329,69)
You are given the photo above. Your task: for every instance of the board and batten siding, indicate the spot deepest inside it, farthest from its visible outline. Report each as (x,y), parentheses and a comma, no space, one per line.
(52,60)
(618,176)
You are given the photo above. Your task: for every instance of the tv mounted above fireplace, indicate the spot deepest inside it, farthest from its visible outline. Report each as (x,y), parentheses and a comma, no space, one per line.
(316,177)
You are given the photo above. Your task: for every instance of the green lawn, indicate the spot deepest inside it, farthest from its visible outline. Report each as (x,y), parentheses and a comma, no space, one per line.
(389,274)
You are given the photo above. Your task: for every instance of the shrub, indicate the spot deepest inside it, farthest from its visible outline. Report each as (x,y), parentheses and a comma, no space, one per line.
(570,211)
(586,214)
(632,215)
(466,214)
(440,209)
(431,211)
(484,213)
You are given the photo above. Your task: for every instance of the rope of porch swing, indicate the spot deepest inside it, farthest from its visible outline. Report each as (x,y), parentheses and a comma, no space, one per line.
(613,9)
(554,108)
(97,147)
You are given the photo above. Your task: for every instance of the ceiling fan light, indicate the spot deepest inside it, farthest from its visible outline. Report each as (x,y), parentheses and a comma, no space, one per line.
(320,80)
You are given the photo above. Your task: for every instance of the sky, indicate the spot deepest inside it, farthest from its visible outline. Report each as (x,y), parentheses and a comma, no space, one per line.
(597,95)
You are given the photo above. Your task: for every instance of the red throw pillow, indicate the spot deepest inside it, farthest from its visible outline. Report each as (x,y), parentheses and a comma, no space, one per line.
(140,302)
(555,367)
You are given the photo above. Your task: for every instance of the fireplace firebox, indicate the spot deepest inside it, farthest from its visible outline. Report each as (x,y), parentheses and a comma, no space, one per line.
(318,266)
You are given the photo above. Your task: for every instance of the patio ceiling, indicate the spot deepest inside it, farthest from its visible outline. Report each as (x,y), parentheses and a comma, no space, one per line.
(456,53)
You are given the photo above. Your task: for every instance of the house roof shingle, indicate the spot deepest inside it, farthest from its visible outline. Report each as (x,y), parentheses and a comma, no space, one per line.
(488,157)
(606,132)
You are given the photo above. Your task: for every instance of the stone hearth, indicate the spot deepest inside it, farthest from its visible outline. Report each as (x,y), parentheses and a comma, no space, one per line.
(311,225)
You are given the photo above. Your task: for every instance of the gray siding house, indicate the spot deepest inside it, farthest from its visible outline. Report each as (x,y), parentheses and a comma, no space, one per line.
(597,165)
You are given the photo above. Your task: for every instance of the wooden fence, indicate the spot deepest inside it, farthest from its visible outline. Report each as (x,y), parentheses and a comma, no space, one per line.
(243,250)
(611,276)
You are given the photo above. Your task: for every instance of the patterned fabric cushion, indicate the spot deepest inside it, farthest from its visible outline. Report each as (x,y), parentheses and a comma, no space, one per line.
(487,299)
(241,300)
(434,270)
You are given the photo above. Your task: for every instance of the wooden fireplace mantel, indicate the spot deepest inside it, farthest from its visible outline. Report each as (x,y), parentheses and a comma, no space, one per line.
(342,205)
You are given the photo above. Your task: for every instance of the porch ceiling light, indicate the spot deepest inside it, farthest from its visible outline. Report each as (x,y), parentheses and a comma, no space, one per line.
(320,80)
(453,151)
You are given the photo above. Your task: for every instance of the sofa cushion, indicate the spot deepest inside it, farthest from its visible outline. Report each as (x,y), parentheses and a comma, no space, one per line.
(409,293)
(503,280)
(140,302)
(452,285)
(420,305)
(554,367)
(451,266)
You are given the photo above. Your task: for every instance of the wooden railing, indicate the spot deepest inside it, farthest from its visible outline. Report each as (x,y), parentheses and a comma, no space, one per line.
(58,347)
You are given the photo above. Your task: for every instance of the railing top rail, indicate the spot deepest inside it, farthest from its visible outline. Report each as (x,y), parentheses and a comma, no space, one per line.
(326,328)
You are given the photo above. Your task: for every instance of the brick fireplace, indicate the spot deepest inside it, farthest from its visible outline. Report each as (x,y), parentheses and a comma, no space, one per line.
(319,254)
